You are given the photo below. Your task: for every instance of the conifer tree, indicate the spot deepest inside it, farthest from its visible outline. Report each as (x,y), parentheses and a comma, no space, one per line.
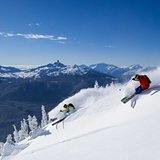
(44,120)
(96,85)
(33,124)
(23,133)
(15,134)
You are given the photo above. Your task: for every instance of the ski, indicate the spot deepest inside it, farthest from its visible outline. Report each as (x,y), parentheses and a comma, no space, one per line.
(127,98)
(59,121)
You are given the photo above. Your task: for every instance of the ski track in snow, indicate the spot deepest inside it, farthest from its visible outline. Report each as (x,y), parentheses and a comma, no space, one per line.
(71,139)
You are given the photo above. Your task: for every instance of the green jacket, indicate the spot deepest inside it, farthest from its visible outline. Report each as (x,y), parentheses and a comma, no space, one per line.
(67,109)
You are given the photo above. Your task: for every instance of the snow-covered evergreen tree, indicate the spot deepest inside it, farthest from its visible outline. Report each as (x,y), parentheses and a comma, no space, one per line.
(25,128)
(44,120)
(9,139)
(30,122)
(33,124)
(8,147)
(15,134)
(23,133)
(20,133)
(96,85)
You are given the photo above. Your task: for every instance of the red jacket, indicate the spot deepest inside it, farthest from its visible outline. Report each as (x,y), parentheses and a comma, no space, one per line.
(143,81)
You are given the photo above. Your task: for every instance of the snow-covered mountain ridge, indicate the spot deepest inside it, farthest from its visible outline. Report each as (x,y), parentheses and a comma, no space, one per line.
(57,68)
(120,72)
(51,69)
(102,127)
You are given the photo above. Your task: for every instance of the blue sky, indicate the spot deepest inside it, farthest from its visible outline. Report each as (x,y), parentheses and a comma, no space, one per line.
(80,31)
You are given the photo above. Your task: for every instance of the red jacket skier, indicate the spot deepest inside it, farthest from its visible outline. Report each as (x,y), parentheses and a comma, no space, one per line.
(144,82)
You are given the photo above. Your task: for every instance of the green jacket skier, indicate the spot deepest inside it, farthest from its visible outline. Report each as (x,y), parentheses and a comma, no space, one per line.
(67,108)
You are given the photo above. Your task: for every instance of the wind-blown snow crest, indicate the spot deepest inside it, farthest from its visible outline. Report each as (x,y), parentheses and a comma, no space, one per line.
(102,127)
(88,100)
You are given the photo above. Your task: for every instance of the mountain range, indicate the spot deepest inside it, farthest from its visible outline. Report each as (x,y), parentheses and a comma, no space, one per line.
(58,68)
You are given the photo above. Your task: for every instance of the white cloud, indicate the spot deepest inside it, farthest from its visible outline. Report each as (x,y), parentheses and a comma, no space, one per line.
(61,39)
(6,34)
(34,24)
(61,42)
(36,36)
(37,24)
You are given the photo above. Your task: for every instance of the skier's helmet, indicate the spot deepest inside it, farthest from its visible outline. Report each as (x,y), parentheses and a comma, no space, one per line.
(65,106)
(136,76)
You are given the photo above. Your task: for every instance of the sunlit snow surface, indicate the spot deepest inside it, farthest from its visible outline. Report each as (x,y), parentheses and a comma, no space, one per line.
(102,127)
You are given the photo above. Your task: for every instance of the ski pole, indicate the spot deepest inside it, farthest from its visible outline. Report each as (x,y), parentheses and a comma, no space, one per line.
(63,123)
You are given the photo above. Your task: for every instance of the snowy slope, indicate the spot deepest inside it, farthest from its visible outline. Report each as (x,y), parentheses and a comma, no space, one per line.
(103,128)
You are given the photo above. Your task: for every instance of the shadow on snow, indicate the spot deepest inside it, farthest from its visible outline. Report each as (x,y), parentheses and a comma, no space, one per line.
(152,90)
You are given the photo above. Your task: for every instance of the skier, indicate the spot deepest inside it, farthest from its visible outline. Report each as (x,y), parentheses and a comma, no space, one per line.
(67,108)
(64,113)
(144,83)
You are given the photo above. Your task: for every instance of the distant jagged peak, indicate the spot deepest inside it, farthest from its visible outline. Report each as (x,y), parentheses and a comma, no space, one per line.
(56,64)
(53,65)
(103,65)
(77,69)
(59,64)
(135,66)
